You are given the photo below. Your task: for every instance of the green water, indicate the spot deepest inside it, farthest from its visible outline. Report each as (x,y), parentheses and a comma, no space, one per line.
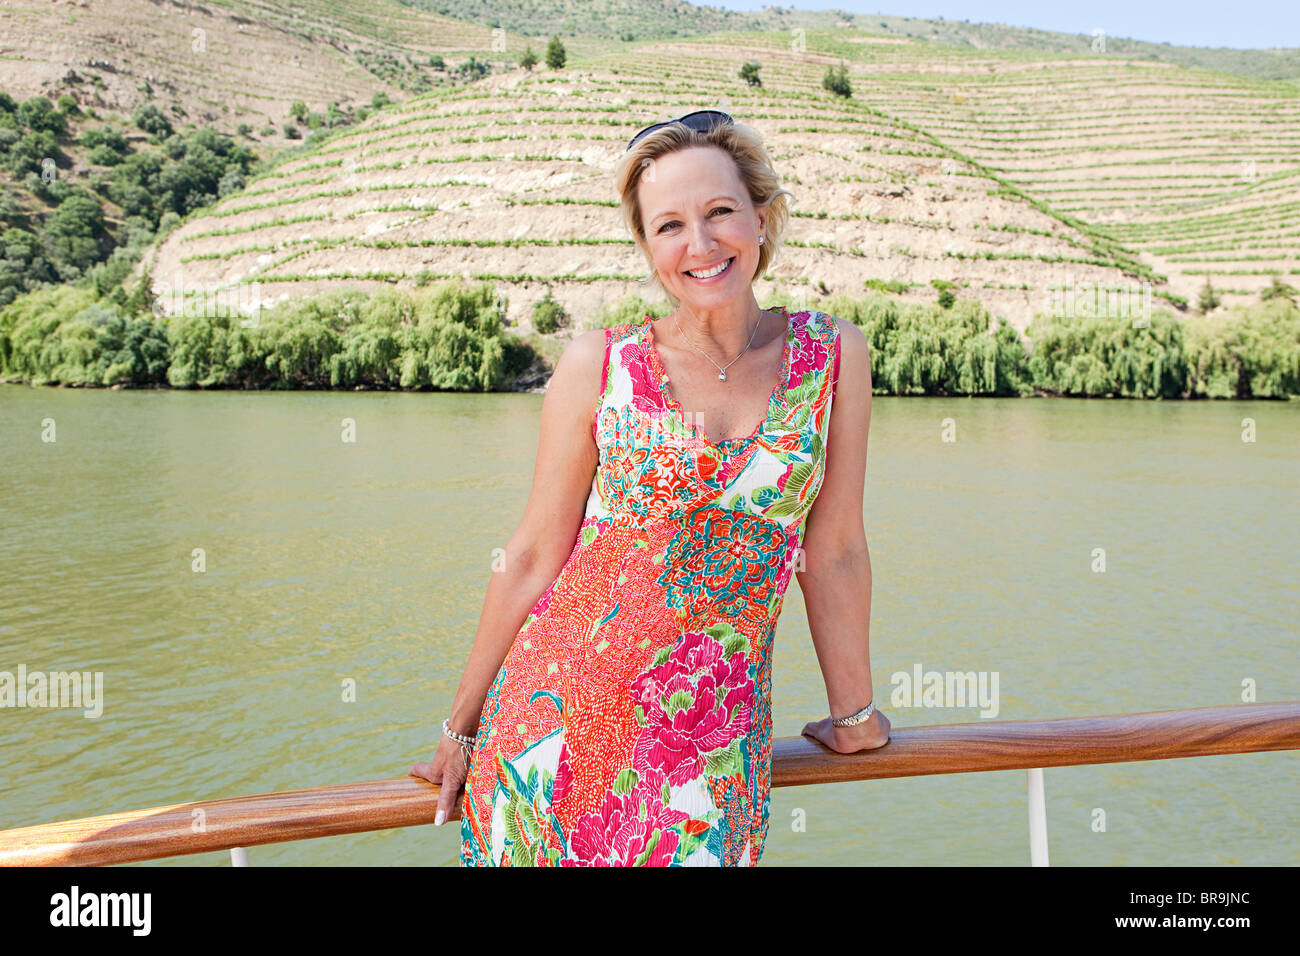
(328,561)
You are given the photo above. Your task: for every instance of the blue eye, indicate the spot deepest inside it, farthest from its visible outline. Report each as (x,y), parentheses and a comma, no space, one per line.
(673,222)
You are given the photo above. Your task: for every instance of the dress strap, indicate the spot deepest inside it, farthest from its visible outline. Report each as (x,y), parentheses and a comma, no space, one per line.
(604,372)
(604,385)
(835,372)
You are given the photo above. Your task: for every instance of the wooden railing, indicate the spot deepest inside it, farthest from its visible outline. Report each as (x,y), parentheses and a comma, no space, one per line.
(210,825)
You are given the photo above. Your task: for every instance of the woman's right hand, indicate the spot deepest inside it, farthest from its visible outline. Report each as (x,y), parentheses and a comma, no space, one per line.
(871,734)
(448,770)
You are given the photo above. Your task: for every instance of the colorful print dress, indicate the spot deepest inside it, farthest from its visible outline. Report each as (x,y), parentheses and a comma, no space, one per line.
(630,723)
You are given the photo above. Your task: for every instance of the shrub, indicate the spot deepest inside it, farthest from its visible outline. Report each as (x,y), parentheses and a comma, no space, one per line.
(447,337)
(837,81)
(39,115)
(1278,290)
(921,349)
(152,120)
(214,350)
(63,335)
(947,292)
(1107,355)
(1249,353)
(1208,300)
(71,235)
(547,314)
(107,142)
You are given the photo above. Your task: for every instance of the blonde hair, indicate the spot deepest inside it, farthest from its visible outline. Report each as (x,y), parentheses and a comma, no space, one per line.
(753,164)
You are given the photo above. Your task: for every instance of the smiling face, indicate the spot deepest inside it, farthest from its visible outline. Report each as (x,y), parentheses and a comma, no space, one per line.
(698,217)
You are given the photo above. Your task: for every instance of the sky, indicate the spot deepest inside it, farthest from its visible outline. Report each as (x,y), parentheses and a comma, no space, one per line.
(1244,24)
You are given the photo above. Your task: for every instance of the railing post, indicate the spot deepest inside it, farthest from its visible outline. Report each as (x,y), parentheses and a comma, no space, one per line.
(238,856)
(1037,819)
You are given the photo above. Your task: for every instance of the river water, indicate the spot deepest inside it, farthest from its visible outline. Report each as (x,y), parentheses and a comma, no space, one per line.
(329,563)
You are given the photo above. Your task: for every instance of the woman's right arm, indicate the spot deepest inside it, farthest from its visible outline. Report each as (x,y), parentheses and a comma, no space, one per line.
(536,552)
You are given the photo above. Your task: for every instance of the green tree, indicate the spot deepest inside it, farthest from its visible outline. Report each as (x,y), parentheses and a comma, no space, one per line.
(473,68)
(23,264)
(837,81)
(334,116)
(529,59)
(555,55)
(128,351)
(152,120)
(71,235)
(1208,299)
(135,185)
(1106,355)
(919,349)
(38,114)
(29,152)
(749,73)
(547,314)
(216,350)
(1278,290)
(1249,352)
(947,293)
(107,145)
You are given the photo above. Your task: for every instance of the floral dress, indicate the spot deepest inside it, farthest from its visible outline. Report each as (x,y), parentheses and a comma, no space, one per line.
(630,723)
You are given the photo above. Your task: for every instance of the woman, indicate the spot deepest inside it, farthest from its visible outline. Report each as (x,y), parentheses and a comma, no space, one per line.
(615,709)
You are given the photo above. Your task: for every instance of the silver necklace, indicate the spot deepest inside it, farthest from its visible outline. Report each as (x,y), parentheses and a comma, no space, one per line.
(722,369)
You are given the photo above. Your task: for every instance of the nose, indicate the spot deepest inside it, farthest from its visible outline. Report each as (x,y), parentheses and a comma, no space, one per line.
(701,242)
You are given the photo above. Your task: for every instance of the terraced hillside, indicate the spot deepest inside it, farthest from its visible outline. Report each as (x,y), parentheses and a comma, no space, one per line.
(1196,172)
(511,180)
(223,63)
(1012,173)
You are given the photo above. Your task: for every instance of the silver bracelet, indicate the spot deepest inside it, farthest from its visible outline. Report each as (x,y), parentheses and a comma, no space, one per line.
(859,717)
(466,743)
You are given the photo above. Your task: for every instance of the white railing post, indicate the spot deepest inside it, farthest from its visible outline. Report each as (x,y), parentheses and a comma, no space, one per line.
(1037,820)
(238,856)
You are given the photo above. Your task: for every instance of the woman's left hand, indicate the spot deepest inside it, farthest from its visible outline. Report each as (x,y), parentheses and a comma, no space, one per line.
(869,735)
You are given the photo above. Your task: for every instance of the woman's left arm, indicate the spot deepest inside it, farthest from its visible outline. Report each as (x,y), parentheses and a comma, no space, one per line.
(836,575)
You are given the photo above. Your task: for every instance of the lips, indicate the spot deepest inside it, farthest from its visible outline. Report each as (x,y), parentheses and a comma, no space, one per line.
(724,271)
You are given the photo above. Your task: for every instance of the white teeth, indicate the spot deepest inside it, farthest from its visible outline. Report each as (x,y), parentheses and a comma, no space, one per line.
(711,272)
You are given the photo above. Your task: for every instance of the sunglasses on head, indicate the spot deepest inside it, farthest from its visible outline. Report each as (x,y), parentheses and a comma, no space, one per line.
(701,121)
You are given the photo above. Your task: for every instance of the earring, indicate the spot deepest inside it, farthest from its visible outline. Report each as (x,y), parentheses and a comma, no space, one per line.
(760,240)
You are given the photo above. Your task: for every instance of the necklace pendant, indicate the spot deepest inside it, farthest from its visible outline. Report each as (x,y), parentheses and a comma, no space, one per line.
(722,376)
